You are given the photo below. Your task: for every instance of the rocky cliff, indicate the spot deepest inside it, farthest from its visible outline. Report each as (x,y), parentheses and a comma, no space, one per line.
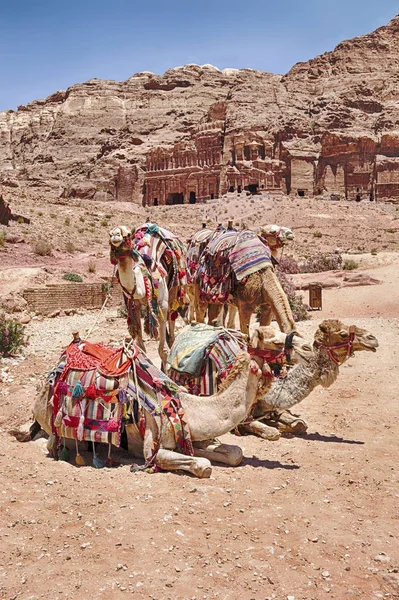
(329,126)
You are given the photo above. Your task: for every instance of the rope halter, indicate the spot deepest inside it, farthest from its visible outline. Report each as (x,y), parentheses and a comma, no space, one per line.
(277,360)
(332,347)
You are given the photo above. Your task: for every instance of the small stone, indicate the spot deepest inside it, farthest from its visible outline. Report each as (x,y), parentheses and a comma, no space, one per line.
(382,557)
(325,574)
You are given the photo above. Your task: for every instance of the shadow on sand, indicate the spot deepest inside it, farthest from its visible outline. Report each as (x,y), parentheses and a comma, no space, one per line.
(317,437)
(256,462)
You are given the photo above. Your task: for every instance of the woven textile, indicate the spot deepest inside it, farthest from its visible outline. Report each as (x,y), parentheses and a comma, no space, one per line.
(202,355)
(164,250)
(95,388)
(195,248)
(229,257)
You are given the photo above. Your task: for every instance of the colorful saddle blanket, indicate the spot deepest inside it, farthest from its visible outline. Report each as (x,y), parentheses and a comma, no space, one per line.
(94,390)
(202,355)
(164,251)
(229,257)
(195,248)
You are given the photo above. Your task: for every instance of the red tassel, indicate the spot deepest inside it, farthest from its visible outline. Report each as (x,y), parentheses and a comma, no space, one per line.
(91,392)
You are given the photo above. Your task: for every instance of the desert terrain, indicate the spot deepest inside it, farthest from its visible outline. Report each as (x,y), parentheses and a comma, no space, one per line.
(304,518)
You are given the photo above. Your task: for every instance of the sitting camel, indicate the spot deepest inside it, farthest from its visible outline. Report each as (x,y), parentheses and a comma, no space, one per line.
(334,343)
(205,418)
(270,296)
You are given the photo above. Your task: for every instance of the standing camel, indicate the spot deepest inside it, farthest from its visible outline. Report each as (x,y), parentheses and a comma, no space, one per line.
(141,288)
(206,418)
(238,266)
(274,236)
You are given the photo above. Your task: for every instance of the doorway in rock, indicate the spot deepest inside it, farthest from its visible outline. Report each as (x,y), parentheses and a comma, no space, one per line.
(192,199)
(175,198)
(212,196)
(301,193)
(231,188)
(239,189)
(252,187)
(155,201)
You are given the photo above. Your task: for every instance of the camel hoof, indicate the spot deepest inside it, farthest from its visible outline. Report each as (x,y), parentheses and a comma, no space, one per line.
(206,473)
(271,436)
(297,427)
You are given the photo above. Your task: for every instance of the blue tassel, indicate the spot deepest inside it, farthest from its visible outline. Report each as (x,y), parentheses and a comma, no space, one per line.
(122,396)
(78,390)
(97,463)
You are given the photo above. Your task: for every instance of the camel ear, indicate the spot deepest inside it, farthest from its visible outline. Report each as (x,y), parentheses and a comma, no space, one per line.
(323,327)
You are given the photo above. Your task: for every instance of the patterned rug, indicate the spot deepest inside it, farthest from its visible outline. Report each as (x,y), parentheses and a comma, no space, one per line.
(202,355)
(96,388)
(230,257)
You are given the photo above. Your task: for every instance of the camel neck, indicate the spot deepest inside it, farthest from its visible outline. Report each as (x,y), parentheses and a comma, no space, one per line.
(212,416)
(299,383)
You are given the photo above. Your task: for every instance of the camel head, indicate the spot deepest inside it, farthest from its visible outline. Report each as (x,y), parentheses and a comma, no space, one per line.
(276,236)
(120,236)
(341,341)
(274,346)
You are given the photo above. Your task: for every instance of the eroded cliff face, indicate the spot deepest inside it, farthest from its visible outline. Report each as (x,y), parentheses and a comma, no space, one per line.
(329,126)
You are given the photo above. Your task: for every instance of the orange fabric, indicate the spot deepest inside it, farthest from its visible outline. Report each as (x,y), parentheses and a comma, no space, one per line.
(88,355)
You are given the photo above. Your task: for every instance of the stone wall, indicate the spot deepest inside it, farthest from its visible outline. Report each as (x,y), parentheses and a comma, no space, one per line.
(46,300)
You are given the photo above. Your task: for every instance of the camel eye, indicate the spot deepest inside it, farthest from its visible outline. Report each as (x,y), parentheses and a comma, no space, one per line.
(343,334)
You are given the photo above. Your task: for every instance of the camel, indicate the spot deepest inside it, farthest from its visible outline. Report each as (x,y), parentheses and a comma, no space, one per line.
(334,343)
(264,290)
(207,418)
(138,288)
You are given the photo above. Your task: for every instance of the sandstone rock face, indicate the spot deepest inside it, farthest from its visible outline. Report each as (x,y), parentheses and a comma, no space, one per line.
(330,126)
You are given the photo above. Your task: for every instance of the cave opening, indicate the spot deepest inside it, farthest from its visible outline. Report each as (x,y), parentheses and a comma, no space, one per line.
(301,193)
(175,198)
(155,201)
(192,199)
(252,187)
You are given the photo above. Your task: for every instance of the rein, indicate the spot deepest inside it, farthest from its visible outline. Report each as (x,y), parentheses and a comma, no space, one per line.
(330,348)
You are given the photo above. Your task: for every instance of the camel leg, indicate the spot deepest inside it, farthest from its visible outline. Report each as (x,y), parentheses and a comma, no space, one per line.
(260,430)
(265,314)
(214,312)
(171,323)
(174,461)
(191,296)
(231,316)
(215,451)
(289,423)
(245,312)
(201,307)
(139,337)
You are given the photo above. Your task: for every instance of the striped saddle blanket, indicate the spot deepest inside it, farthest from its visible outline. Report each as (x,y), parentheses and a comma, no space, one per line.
(202,355)
(230,257)
(94,391)
(162,249)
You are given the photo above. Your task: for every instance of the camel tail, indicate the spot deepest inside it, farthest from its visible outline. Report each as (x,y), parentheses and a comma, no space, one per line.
(26,436)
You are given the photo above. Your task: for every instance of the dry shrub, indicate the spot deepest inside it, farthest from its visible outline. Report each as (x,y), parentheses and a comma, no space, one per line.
(70,247)
(42,248)
(91,267)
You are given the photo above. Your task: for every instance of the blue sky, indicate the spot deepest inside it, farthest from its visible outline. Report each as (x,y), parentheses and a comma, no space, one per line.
(47,45)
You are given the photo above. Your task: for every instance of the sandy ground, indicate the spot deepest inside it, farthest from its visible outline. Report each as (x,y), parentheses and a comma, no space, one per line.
(306,518)
(302,518)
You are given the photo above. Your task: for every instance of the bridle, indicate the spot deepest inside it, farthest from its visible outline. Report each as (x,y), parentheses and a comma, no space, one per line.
(276,359)
(330,348)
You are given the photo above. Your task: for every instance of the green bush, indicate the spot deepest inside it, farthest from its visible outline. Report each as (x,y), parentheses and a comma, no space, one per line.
(72,277)
(3,237)
(317,234)
(12,336)
(350,264)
